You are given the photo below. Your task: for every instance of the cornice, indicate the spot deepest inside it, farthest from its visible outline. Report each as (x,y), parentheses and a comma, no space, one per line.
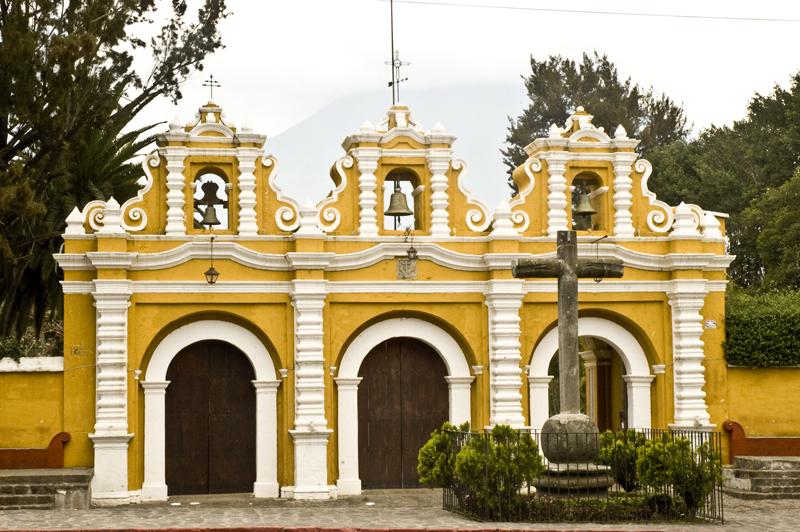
(329,261)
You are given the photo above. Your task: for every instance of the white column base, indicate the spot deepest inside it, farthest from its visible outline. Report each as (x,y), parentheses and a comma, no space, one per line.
(348,486)
(266,490)
(311,465)
(153,492)
(309,494)
(110,480)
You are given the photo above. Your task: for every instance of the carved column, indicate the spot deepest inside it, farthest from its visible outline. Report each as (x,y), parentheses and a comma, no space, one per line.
(367,160)
(349,482)
(590,367)
(154,487)
(438,164)
(623,221)
(311,431)
(556,196)
(247,191)
(504,299)
(110,437)
(266,484)
(686,299)
(176,186)
(539,399)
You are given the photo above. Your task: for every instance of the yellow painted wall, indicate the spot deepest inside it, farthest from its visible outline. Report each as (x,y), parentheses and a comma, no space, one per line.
(764,400)
(30,409)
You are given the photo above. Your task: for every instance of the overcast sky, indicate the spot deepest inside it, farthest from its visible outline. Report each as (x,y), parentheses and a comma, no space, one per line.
(284,60)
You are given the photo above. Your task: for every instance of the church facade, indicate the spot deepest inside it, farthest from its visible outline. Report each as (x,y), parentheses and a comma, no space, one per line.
(335,338)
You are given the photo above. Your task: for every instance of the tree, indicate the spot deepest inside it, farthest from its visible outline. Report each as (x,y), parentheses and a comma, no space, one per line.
(67,88)
(557,86)
(730,169)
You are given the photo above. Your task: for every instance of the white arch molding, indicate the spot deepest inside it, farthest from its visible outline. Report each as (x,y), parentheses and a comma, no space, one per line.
(458,380)
(637,378)
(155,385)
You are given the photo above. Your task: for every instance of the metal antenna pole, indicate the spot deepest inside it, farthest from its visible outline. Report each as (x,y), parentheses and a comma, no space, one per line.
(391,57)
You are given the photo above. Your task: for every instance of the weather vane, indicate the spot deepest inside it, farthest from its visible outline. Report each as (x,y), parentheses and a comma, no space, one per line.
(395,61)
(211,83)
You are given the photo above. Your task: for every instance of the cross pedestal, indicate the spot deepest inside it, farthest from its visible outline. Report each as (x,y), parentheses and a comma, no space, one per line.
(569,439)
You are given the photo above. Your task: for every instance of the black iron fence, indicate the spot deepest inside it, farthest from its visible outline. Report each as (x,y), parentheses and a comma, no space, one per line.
(637,475)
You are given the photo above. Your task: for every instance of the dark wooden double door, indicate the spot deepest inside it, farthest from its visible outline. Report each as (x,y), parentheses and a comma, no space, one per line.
(210,421)
(402,398)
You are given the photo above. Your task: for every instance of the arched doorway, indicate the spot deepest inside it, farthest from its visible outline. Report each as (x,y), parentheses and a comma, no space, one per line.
(402,398)
(348,381)
(155,385)
(637,375)
(210,420)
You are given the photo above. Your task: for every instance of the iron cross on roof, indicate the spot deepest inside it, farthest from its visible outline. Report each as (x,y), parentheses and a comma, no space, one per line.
(567,267)
(211,83)
(396,80)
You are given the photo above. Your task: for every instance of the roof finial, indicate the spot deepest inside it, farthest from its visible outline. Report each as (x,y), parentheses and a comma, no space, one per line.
(211,83)
(395,61)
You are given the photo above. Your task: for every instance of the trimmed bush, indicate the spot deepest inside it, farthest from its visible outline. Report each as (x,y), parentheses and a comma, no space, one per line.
(436,461)
(494,468)
(671,462)
(619,451)
(761,329)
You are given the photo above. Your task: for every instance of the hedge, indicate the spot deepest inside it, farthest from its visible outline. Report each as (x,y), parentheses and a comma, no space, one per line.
(762,330)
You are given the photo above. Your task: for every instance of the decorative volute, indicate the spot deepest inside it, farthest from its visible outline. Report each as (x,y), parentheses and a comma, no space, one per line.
(171,200)
(401,150)
(581,159)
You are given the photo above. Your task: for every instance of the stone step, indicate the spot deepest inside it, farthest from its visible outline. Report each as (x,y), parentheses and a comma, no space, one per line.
(780,463)
(21,501)
(45,476)
(756,495)
(765,473)
(757,484)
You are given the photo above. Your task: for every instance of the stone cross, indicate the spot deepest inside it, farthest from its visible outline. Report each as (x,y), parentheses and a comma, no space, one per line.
(567,267)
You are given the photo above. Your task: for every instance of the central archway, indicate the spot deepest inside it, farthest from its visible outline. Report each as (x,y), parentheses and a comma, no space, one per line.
(458,382)
(637,378)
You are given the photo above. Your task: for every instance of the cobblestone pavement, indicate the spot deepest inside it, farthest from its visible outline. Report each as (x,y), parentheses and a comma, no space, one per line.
(375,509)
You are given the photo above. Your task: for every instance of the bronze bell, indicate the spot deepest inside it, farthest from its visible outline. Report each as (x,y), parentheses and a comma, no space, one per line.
(582,215)
(210,216)
(398,205)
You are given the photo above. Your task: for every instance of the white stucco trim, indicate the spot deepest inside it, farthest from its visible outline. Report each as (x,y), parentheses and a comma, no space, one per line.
(32,365)
(624,343)
(458,380)
(155,385)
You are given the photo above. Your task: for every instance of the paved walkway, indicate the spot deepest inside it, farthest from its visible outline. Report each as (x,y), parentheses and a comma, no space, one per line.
(375,509)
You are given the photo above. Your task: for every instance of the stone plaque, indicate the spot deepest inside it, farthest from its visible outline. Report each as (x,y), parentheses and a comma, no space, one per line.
(406,268)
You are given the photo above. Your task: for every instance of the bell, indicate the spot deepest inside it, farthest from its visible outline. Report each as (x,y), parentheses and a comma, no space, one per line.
(398,205)
(582,215)
(210,216)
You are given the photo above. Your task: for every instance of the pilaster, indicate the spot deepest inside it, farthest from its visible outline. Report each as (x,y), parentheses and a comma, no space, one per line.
(623,221)
(154,487)
(310,432)
(247,191)
(266,484)
(110,437)
(686,299)
(367,161)
(556,196)
(176,185)
(438,164)
(504,299)
(538,390)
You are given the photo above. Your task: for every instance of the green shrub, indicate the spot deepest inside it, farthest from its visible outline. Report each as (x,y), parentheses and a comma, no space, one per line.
(671,462)
(761,329)
(436,461)
(494,467)
(619,451)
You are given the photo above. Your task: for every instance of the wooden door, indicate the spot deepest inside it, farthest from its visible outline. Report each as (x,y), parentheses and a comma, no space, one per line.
(210,420)
(401,400)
